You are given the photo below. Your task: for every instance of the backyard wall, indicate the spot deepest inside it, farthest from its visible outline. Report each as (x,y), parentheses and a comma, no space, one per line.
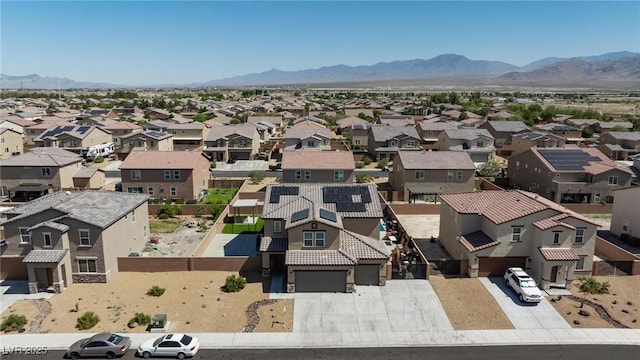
(616,255)
(590,208)
(417,209)
(164,264)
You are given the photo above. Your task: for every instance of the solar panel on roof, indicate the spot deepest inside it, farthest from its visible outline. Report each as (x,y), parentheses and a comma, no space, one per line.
(278,191)
(328,215)
(568,159)
(347,198)
(83,129)
(299,215)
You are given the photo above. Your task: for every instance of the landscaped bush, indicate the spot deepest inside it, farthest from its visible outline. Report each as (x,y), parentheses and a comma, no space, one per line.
(367,160)
(592,286)
(139,319)
(359,164)
(87,321)
(362,178)
(256,176)
(179,201)
(234,283)
(163,216)
(171,210)
(13,322)
(382,163)
(98,160)
(156,291)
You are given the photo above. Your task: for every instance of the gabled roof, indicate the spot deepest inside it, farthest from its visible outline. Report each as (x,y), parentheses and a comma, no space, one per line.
(508,126)
(467,134)
(43,156)
(77,131)
(623,135)
(160,160)
(219,132)
(317,160)
(435,160)
(533,136)
(559,254)
(383,133)
(438,125)
(99,208)
(588,160)
(306,132)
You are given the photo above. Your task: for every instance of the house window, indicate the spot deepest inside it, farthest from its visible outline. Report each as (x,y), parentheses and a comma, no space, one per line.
(419,175)
(480,144)
(459,175)
(313,238)
(625,225)
(613,180)
(167,174)
(174,191)
(277,226)
(311,143)
(338,175)
(596,197)
(133,216)
(393,143)
(135,175)
(579,235)
(85,240)
(150,190)
(134,190)
(45,171)
(411,143)
(298,175)
(450,175)
(356,142)
(307,175)
(144,231)
(556,238)
(46,240)
(87,265)
(176,174)
(242,143)
(516,231)
(580,263)
(25,235)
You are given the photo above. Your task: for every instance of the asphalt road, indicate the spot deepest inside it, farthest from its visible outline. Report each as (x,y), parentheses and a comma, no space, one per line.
(534,352)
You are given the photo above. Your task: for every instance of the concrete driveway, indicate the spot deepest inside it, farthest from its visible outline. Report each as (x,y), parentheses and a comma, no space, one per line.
(15,290)
(524,315)
(372,312)
(232,245)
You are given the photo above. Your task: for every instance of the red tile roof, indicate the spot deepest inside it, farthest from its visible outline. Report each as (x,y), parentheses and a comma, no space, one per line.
(318,160)
(559,254)
(553,221)
(161,160)
(318,258)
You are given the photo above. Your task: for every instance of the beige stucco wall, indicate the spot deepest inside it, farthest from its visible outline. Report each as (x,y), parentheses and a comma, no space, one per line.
(61,178)
(364,226)
(317,176)
(625,211)
(295,236)
(10,142)
(434,181)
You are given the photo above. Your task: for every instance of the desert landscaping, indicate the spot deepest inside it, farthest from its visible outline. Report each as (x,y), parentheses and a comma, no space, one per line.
(193,302)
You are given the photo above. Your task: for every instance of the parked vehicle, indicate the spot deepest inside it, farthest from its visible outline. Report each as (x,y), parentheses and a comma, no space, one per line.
(100,345)
(95,151)
(118,186)
(275,167)
(523,285)
(170,345)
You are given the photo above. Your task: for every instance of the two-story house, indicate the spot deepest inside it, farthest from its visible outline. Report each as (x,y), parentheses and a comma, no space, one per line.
(582,175)
(570,134)
(154,113)
(360,136)
(424,175)
(308,137)
(11,143)
(147,140)
(188,135)
(344,125)
(73,237)
(478,143)
(490,231)
(42,170)
(232,142)
(618,145)
(385,141)
(524,141)
(317,166)
(396,120)
(73,138)
(122,128)
(502,132)
(625,217)
(156,125)
(166,174)
(429,131)
(324,237)
(35,129)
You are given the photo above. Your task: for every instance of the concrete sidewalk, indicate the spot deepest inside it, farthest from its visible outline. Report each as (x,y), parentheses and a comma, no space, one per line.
(363,339)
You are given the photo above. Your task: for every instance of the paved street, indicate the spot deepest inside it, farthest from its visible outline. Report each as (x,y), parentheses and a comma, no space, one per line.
(524,315)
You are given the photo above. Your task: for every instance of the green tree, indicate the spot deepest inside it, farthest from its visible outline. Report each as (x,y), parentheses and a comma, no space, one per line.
(587,132)
(453,98)
(490,168)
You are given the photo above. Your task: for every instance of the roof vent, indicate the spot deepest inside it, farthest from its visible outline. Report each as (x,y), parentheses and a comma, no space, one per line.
(67,192)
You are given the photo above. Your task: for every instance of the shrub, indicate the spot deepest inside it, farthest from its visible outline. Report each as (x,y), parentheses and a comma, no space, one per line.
(592,286)
(179,201)
(359,164)
(98,160)
(362,178)
(213,165)
(234,283)
(382,163)
(13,322)
(171,210)
(367,160)
(87,321)
(140,319)
(256,177)
(163,216)
(156,291)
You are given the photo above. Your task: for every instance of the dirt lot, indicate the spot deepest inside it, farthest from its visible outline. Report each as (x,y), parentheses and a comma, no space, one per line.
(623,289)
(192,301)
(468,304)
(182,242)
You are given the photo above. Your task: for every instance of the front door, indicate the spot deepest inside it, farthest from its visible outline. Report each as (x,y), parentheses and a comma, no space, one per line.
(49,277)
(554,274)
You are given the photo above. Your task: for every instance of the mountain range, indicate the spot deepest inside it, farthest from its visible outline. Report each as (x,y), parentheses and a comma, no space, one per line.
(610,68)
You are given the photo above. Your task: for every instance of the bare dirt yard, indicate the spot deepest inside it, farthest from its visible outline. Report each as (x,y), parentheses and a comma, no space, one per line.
(468,304)
(622,303)
(193,302)
(183,241)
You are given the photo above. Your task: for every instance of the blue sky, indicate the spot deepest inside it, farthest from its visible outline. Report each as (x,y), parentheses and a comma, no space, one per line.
(159,42)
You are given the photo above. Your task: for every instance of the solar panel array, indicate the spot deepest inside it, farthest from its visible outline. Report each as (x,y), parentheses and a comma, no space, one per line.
(328,215)
(58,130)
(83,129)
(156,134)
(347,199)
(568,159)
(278,191)
(299,215)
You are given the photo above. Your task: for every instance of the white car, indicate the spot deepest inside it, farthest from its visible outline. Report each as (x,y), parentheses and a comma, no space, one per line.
(170,345)
(523,285)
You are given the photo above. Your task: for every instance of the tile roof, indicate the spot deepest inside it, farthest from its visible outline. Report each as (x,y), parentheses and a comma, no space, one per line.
(467,134)
(318,160)
(308,194)
(593,167)
(99,208)
(553,221)
(218,132)
(508,126)
(186,160)
(350,121)
(559,254)
(187,126)
(428,125)
(51,224)
(623,135)
(44,256)
(85,172)
(362,247)
(556,127)
(477,241)
(506,205)
(119,125)
(318,258)
(269,244)
(305,132)
(43,156)
(382,133)
(435,160)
